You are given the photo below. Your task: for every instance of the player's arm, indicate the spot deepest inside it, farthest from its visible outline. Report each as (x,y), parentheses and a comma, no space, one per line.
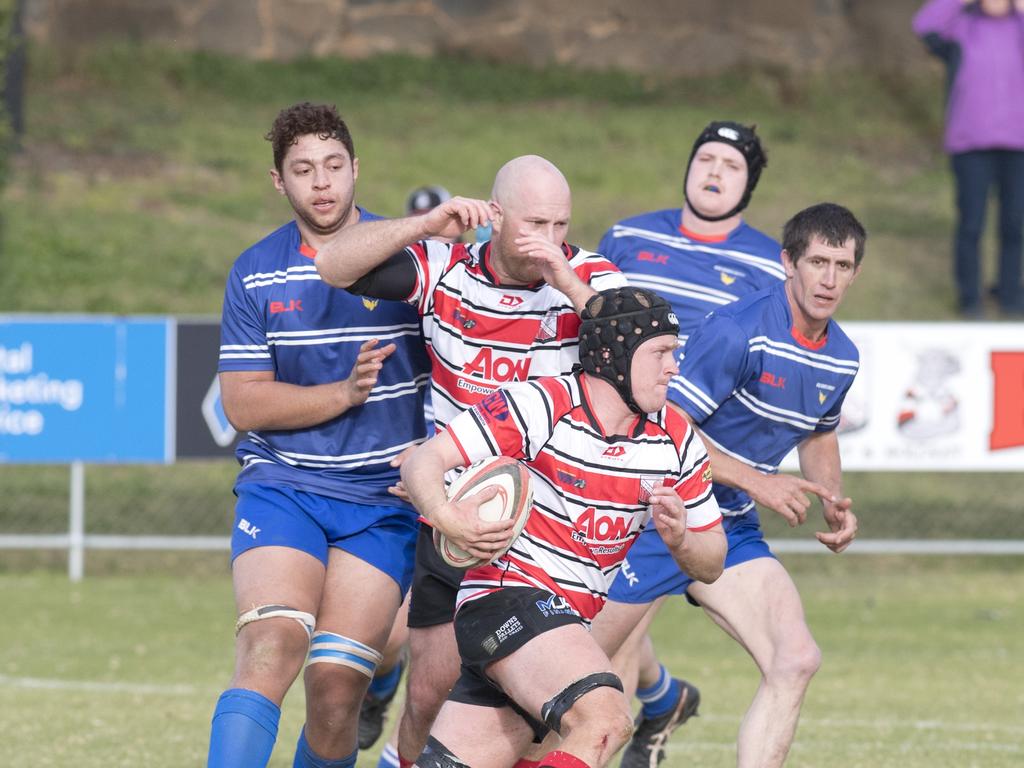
(356,250)
(423,478)
(784,494)
(820,463)
(701,552)
(255,400)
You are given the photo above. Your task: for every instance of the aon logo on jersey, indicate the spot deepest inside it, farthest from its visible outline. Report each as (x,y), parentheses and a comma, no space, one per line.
(496,368)
(594,527)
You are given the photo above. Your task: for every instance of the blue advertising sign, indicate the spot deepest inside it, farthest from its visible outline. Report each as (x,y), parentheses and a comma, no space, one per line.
(85,389)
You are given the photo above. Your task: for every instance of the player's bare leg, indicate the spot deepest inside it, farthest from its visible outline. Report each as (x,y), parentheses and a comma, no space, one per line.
(597,723)
(359,605)
(479,737)
(269,653)
(757,603)
(433,669)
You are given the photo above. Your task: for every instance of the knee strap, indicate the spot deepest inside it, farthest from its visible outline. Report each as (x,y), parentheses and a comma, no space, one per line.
(329,648)
(552,711)
(437,755)
(307,620)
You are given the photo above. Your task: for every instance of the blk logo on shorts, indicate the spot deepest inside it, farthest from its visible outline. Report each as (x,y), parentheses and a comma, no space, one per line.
(248,528)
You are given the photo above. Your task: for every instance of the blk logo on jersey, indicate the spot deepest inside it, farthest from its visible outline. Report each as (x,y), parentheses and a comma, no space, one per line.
(510,301)
(779,382)
(497,368)
(555,605)
(248,528)
(656,258)
(615,452)
(292,305)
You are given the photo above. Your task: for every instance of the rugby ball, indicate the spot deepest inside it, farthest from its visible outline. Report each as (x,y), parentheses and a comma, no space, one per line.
(513,501)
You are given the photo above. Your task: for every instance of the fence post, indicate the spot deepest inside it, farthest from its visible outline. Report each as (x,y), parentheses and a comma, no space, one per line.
(76,523)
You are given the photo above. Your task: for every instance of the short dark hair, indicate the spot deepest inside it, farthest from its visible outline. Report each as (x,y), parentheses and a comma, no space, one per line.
(302,120)
(831,222)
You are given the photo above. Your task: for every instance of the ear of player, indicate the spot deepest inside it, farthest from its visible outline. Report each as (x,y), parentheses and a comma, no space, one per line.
(512,502)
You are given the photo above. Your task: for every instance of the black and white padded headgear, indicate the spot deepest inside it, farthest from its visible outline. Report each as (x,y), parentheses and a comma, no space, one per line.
(615,323)
(747,142)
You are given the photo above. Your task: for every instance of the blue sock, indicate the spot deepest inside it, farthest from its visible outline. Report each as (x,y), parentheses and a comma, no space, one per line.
(388,757)
(384,685)
(243,730)
(660,697)
(305,757)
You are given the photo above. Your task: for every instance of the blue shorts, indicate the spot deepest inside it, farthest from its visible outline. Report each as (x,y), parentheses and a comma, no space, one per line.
(276,515)
(649,570)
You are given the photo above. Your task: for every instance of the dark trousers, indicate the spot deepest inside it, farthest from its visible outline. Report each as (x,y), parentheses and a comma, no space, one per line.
(975,174)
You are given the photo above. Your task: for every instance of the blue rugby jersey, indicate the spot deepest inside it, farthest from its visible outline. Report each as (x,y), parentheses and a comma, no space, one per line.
(757,389)
(280,316)
(695,276)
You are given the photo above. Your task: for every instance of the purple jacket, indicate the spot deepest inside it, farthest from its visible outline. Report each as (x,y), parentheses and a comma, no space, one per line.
(986,98)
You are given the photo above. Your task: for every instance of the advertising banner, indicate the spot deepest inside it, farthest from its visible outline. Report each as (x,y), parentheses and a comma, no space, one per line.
(85,389)
(935,396)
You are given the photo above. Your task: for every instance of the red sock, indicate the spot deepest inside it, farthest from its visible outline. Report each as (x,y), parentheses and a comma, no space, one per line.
(524,763)
(403,763)
(560,759)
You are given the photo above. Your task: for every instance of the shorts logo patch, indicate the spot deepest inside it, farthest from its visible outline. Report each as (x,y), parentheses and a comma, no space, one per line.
(629,574)
(248,528)
(501,634)
(554,606)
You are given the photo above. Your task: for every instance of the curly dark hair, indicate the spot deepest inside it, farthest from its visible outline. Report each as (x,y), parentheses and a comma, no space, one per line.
(302,120)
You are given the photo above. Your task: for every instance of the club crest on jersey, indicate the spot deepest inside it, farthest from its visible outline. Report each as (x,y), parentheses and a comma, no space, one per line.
(555,605)
(370,304)
(548,326)
(821,398)
(647,484)
(726,279)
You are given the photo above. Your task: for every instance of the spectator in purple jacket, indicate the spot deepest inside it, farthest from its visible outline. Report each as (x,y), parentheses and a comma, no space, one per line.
(982,43)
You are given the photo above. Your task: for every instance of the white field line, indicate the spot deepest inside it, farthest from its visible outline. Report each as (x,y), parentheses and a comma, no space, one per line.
(156,689)
(96,686)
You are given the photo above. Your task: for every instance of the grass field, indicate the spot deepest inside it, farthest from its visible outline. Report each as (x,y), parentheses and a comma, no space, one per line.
(143,175)
(922,668)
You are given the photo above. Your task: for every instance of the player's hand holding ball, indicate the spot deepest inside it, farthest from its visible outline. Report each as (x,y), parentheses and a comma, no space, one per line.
(487,507)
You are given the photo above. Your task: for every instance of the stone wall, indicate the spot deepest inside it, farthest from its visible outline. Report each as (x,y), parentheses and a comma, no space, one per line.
(675,37)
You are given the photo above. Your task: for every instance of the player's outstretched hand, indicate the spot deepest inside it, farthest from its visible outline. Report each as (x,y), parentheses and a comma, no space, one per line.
(842,524)
(669,515)
(460,522)
(787,495)
(453,217)
(363,376)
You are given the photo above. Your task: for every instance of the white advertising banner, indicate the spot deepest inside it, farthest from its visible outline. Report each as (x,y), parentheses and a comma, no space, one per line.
(934,396)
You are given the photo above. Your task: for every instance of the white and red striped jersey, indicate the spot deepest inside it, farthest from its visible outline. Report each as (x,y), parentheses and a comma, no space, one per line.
(591,490)
(481,335)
